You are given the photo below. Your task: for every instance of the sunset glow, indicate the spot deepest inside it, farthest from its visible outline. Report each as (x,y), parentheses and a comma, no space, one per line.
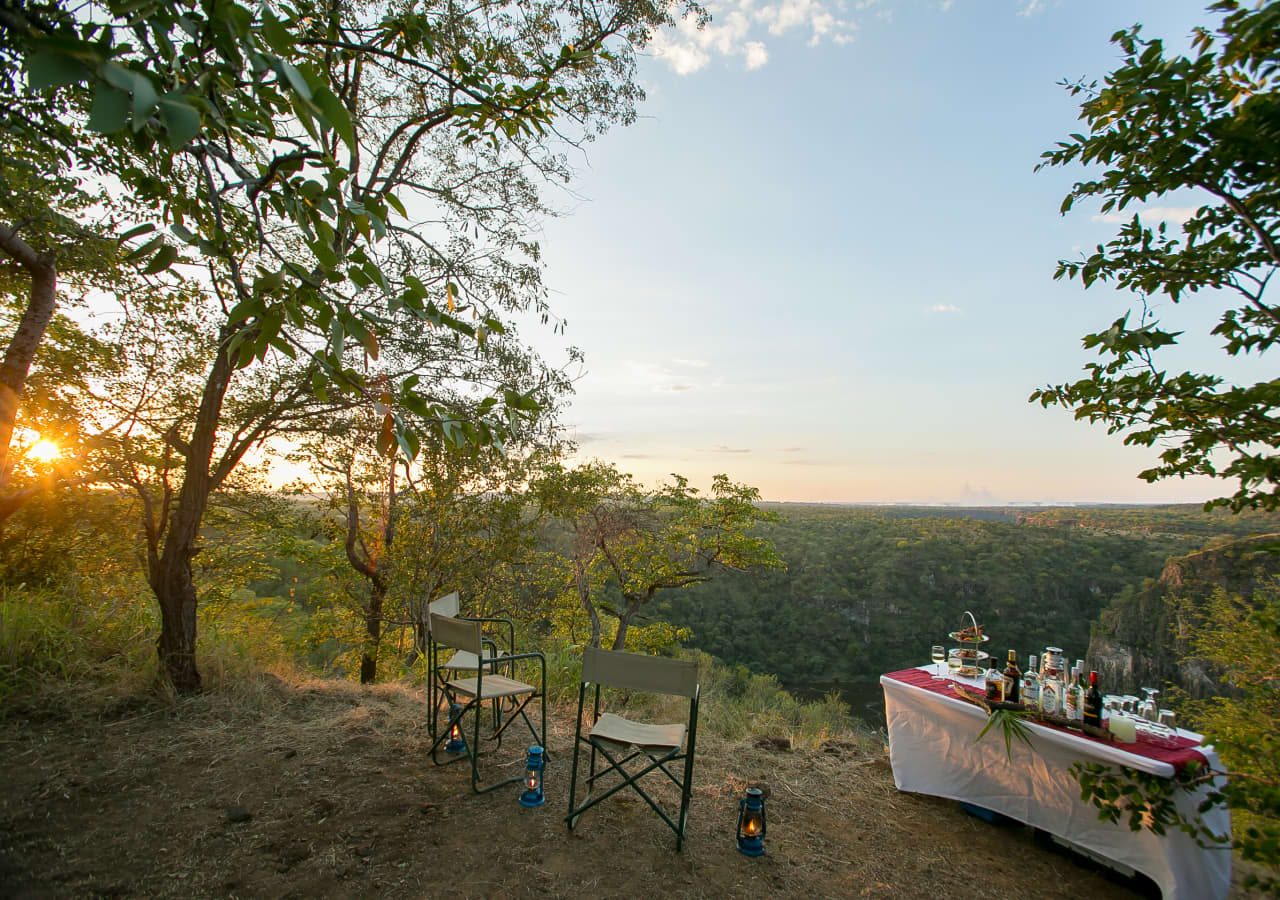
(44,451)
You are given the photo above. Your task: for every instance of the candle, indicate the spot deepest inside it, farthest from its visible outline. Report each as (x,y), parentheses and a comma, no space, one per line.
(1124,728)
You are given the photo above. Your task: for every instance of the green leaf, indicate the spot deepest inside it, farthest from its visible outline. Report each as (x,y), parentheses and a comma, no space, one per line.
(161,261)
(181,120)
(109,112)
(46,69)
(276,35)
(139,231)
(337,115)
(144,100)
(296,80)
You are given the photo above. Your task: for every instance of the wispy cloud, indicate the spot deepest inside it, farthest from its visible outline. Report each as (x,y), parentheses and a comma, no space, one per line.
(1176,214)
(792,450)
(721,448)
(737,29)
(673,376)
(1031,7)
(945,308)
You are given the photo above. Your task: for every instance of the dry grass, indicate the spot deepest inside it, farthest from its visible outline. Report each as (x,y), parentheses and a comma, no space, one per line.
(138,799)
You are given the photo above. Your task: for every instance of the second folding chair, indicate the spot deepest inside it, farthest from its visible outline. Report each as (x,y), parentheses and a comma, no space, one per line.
(645,748)
(465,696)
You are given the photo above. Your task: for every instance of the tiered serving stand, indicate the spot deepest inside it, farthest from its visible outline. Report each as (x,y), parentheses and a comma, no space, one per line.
(970,651)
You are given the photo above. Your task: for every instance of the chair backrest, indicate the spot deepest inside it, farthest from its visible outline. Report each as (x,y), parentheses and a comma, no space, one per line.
(447,605)
(456,633)
(637,672)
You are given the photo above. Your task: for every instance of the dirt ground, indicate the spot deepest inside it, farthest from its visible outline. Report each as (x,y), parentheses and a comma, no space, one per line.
(322,789)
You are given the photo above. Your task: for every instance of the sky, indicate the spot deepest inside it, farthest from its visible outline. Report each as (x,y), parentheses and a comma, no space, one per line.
(821,262)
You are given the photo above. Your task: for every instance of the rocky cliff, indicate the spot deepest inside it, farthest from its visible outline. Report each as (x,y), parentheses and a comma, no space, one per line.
(1141,637)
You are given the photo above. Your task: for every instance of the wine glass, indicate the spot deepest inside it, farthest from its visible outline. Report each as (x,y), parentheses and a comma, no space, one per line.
(937,653)
(954,663)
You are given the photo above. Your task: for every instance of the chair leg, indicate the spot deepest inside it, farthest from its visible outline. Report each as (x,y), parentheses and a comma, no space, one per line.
(577,741)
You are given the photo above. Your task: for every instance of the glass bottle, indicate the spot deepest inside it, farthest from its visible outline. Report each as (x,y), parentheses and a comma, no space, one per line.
(1073,697)
(1012,679)
(1031,684)
(1092,711)
(1051,694)
(995,685)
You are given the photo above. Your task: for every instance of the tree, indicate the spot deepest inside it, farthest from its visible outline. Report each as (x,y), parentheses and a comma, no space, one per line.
(1208,122)
(340,172)
(629,545)
(414,528)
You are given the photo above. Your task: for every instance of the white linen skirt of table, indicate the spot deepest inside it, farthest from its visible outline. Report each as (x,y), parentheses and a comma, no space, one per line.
(933,751)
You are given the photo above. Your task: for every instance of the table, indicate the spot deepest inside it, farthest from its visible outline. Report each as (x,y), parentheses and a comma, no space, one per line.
(933,751)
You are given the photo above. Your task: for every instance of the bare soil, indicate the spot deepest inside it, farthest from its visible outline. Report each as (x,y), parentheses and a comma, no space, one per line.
(323,789)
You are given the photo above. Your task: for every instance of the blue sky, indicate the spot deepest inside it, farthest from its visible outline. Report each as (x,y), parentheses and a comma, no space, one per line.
(822,263)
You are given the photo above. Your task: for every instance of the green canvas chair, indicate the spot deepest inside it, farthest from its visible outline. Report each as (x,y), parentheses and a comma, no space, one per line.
(635,749)
(467,694)
(464,661)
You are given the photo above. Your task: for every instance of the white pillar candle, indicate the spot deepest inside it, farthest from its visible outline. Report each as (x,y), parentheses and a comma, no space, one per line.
(1124,729)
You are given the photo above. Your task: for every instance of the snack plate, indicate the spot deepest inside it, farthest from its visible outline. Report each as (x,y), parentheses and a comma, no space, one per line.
(972,659)
(956,636)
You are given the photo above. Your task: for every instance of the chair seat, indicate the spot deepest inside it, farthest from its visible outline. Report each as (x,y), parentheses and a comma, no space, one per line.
(618,730)
(494,686)
(466,661)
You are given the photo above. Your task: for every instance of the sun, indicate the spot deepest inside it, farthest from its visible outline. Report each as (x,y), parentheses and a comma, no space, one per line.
(44,451)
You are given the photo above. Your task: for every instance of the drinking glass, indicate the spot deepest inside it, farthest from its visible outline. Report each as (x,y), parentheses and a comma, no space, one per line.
(938,653)
(1148,710)
(1169,719)
(954,663)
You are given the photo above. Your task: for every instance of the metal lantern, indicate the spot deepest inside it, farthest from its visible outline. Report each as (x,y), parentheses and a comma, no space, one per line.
(751,824)
(533,767)
(457,743)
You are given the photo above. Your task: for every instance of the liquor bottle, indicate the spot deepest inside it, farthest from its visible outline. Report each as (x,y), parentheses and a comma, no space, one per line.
(995,685)
(1012,679)
(1093,703)
(1073,697)
(1051,694)
(1031,685)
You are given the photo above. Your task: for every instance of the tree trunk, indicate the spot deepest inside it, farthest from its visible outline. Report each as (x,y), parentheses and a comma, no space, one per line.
(372,635)
(22,348)
(624,622)
(584,597)
(171,578)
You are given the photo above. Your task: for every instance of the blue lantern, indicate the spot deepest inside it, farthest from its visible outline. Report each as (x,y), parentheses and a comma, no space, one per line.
(751,825)
(533,767)
(457,743)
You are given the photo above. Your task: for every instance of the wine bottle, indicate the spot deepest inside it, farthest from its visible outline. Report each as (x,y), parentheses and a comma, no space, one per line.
(1012,679)
(1031,685)
(1093,703)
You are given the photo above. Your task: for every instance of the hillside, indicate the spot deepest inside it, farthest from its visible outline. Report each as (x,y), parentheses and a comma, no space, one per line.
(869,589)
(337,799)
(1140,638)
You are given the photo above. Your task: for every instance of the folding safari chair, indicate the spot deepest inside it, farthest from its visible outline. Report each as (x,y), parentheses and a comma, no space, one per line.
(465,696)
(464,661)
(624,743)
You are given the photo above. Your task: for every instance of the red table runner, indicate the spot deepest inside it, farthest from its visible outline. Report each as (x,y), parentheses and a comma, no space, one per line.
(1178,757)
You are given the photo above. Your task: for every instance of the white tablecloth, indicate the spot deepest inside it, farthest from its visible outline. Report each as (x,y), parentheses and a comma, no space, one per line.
(932,750)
